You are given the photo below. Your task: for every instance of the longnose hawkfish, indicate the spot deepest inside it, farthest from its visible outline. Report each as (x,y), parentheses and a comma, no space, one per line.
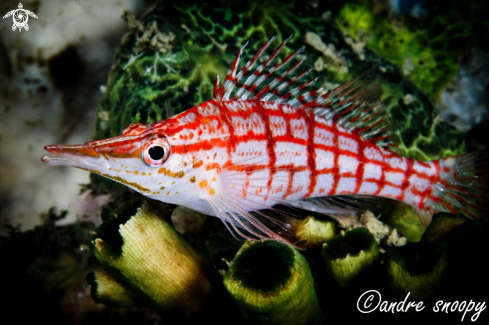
(267,138)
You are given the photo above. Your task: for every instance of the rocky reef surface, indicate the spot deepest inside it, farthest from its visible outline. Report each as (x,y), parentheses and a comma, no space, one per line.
(50,78)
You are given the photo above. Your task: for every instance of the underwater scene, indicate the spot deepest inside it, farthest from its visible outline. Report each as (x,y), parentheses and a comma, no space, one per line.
(244,161)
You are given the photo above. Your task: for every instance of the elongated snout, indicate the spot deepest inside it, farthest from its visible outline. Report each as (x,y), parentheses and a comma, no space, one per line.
(81,156)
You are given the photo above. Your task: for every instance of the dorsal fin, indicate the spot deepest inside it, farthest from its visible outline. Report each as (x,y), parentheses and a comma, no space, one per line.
(355,105)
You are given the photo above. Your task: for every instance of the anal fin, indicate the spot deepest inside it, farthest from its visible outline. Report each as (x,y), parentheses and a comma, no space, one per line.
(341,215)
(342,208)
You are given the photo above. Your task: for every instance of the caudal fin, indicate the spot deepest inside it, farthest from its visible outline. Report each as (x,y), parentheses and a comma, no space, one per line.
(463,186)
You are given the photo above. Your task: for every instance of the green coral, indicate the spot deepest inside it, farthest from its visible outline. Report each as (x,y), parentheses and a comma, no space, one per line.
(427,48)
(428,51)
(403,217)
(349,254)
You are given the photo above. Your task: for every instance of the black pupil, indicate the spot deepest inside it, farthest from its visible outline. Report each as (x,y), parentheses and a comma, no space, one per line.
(156,152)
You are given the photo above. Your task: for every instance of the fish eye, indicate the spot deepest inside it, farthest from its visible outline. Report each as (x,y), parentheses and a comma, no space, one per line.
(155,152)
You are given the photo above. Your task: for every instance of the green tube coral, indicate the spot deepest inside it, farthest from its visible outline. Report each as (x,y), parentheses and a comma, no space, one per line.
(349,254)
(155,268)
(441,225)
(311,232)
(272,284)
(418,268)
(107,290)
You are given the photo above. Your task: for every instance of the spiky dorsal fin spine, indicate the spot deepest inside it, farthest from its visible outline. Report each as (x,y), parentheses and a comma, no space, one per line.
(355,105)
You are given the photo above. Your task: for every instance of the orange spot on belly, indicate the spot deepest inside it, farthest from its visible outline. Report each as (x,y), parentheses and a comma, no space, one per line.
(213,165)
(203,183)
(198,164)
(211,192)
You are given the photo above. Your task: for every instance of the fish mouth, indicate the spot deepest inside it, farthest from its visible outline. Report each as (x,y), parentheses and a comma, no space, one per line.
(87,158)
(80,156)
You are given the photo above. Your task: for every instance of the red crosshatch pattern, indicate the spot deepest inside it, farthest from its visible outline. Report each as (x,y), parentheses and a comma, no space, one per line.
(317,156)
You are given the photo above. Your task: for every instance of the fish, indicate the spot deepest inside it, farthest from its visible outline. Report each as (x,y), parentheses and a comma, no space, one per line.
(268,139)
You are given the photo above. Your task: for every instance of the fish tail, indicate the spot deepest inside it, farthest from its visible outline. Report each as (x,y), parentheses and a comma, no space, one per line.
(463,185)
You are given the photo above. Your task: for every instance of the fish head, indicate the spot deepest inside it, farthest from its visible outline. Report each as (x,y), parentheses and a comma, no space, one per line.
(140,158)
